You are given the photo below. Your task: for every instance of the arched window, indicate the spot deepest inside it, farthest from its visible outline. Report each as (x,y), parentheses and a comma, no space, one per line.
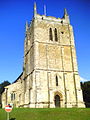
(56,81)
(50,34)
(56,38)
(12,96)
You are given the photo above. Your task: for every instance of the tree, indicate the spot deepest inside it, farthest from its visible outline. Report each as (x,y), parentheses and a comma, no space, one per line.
(86,92)
(2,85)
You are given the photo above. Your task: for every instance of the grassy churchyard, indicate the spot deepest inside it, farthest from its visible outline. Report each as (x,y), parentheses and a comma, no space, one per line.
(47,114)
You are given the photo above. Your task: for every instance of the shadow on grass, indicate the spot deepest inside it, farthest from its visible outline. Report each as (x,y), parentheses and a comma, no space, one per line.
(13,119)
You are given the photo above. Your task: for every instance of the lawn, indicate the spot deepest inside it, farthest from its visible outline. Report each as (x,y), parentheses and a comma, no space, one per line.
(47,114)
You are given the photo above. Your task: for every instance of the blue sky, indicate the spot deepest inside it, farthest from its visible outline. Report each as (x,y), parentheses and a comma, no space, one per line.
(13,15)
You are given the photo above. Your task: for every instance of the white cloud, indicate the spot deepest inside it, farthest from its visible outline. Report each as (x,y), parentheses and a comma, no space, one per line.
(83,79)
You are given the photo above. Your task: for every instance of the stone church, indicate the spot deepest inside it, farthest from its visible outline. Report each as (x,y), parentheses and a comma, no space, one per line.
(50,74)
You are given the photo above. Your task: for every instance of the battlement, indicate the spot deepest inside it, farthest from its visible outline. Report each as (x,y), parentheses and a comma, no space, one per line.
(64,20)
(52,19)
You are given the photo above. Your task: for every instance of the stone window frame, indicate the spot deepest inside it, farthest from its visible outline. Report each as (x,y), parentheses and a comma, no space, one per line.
(56,80)
(56,35)
(50,34)
(13,96)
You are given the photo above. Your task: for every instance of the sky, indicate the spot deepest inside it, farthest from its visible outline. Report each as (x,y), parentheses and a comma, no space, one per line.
(13,16)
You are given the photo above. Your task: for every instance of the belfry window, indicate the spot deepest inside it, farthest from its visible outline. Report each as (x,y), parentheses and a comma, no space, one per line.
(56,81)
(56,38)
(50,34)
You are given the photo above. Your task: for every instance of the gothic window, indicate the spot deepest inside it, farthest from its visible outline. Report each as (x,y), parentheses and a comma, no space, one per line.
(56,81)
(50,34)
(19,98)
(12,96)
(56,38)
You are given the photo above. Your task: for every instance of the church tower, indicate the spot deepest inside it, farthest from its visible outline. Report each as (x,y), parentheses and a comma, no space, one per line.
(50,70)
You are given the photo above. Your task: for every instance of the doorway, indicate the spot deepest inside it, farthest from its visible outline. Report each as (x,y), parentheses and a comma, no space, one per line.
(57,101)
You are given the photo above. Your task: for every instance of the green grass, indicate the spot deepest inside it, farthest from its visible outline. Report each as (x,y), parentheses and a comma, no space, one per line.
(47,114)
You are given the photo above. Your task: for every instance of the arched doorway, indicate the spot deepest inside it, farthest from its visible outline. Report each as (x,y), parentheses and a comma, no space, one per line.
(57,101)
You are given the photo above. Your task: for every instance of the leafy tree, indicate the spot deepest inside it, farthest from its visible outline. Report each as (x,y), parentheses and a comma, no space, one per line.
(2,85)
(86,92)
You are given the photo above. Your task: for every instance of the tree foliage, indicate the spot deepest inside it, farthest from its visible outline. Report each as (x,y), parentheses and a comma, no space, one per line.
(86,92)
(2,85)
